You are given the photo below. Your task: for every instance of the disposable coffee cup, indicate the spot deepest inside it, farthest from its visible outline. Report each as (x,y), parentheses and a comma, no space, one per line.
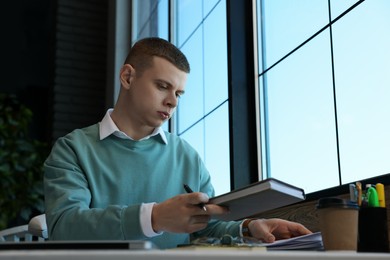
(338,223)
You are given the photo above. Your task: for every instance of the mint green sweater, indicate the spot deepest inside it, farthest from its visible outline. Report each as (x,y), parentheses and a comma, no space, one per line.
(94,188)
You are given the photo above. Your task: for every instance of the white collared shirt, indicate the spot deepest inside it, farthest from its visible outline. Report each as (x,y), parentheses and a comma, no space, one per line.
(108,127)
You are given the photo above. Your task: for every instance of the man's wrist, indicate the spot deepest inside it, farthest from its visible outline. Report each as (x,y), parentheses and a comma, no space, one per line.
(245,231)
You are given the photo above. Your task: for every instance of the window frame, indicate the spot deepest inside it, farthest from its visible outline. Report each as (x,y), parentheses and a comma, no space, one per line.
(245,158)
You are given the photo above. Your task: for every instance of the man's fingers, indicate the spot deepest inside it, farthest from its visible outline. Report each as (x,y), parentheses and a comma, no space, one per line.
(213,209)
(198,202)
(197,198)
(200,219)
(197,222)
(300,230)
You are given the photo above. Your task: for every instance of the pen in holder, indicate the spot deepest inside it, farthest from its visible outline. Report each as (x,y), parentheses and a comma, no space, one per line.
(373,230)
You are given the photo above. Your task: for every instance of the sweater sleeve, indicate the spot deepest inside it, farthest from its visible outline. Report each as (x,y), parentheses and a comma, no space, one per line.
(68,199)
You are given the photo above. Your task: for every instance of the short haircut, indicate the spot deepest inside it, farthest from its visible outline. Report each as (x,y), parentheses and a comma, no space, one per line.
(142,53)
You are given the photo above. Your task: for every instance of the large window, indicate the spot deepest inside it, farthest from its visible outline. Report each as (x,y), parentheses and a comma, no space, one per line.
(199,30)
(325,85)
(202,116)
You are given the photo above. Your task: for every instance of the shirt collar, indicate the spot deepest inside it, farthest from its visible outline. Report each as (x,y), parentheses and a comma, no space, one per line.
(107,127)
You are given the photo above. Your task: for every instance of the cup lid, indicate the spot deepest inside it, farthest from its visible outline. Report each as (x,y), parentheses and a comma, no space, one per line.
(336,203)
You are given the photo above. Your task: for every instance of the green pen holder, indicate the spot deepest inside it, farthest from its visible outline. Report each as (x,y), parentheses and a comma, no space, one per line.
(373,233)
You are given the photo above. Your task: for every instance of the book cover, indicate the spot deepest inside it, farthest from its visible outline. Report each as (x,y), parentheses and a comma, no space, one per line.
(256,198)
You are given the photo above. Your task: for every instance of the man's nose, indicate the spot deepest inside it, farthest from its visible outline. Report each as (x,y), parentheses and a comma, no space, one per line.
(172,100)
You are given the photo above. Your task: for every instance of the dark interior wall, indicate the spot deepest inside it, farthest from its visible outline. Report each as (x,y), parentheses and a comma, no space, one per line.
(53,57)
(25,48)
(80,58)
(24,44)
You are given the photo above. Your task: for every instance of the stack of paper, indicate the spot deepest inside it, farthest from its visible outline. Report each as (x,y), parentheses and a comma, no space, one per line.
(306,242)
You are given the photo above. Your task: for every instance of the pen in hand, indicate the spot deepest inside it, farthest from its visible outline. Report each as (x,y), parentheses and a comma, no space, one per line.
(189,190)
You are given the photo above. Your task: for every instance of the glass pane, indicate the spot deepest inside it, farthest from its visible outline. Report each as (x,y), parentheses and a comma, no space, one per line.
(162,17)
(208,5)
(165,126)
(195,137)
(362,62)
(289,23)
(189,17)
(150,18)
(301,120)
(191,107)
(338,7)
(206,50)
(215,58)
(217,148)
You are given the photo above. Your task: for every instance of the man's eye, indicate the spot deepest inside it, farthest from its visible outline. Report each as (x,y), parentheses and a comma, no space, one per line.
(162,86)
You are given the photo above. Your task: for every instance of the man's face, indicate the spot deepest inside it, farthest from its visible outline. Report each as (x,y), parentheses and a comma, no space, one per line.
(153,95)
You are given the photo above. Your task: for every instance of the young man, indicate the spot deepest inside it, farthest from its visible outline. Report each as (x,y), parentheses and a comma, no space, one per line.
(123,178)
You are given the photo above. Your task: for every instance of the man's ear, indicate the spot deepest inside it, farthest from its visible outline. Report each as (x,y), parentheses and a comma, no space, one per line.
(126,75)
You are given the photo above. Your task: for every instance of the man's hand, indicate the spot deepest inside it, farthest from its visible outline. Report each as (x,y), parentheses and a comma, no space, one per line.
(269,230)
(182,213)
